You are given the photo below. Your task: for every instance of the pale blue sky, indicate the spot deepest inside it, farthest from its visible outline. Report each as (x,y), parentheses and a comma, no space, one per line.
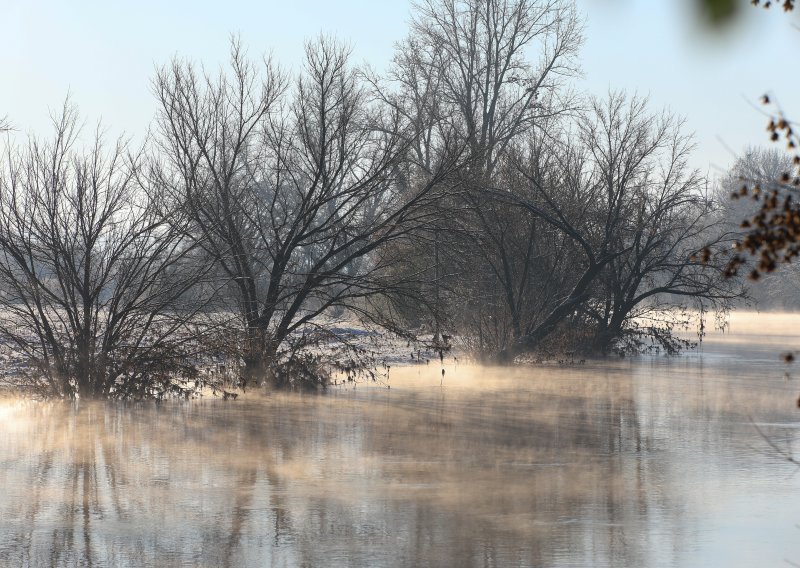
(104,52)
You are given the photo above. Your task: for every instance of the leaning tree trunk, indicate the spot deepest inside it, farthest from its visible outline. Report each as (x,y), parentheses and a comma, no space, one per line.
(532,339)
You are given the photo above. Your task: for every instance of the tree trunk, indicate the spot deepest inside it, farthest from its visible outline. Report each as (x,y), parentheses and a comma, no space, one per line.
(259,359)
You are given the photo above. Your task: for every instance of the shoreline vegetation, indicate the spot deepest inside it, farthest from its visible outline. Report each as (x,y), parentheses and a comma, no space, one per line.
(466,192)
(381,352)
(217,378)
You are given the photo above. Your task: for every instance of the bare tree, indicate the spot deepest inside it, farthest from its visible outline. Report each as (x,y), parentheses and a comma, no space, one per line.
(552,194)
(90,298)
(676,260)
(292,199)
(487,73)
(763,168)
(496,68)
(618,186)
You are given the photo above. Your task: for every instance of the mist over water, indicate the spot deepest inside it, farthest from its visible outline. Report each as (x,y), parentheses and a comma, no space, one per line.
(648,461)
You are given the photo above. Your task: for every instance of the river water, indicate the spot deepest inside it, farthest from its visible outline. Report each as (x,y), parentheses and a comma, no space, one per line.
(648,461)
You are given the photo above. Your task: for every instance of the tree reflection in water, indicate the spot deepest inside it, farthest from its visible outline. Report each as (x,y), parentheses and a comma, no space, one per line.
(615,463)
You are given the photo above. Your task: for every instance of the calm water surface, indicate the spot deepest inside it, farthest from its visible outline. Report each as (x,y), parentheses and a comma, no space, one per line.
(632,462)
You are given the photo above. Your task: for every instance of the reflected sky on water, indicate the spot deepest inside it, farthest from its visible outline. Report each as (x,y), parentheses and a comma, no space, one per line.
(647,461)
